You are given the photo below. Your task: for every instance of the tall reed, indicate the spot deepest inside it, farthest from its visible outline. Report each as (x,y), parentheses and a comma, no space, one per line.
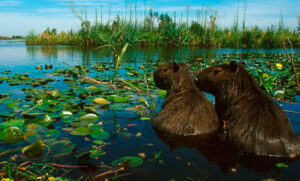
(163,30)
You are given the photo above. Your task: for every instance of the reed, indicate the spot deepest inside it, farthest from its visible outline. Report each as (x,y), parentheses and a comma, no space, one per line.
(164,30)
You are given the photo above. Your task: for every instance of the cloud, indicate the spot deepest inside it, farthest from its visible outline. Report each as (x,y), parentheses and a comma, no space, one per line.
(10,3)
(22,24)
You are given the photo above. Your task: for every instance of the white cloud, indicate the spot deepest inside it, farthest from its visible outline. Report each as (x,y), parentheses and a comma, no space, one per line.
(22,24)
(10,3)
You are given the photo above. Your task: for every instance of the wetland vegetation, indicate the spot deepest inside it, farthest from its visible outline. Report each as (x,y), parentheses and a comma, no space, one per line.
(162,29)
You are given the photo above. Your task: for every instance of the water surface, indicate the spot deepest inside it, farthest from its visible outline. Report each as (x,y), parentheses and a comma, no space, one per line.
(180,159)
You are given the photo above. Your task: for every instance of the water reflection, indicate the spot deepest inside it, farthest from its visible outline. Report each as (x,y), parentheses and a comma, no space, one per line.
(75,55)
(214,150)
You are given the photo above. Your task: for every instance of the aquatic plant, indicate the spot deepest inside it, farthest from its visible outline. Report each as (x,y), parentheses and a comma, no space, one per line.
(164,30)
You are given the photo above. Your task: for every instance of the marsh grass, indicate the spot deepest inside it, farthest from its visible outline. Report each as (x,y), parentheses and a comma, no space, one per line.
(164,30)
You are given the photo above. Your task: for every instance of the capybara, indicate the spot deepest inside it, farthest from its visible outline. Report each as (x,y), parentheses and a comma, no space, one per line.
(185,110)
(251,120)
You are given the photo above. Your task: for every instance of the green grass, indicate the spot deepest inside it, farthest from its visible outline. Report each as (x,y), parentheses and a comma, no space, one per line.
(164,30)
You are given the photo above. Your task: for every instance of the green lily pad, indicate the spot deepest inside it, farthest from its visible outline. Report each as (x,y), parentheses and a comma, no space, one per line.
(145,118)
(52,133)
(129,161)
(96,152)
(47,120)
(99,142)
(118,99)
(281,165)
(89,117)
(100,134)
(12,135)
(13,122)
(61,148)
(81,131)
(34,150)
(94,126)
(116,107)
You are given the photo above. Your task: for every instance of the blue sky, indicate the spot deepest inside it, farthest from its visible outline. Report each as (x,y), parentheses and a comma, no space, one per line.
(19,17)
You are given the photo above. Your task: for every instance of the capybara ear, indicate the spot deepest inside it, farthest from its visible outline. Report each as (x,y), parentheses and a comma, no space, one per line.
(233,66)
(175,67)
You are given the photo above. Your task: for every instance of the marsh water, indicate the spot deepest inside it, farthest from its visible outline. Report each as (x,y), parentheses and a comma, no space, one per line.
(180,159)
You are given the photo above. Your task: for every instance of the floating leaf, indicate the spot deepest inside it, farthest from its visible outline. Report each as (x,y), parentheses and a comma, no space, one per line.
(95,126)
(53,133)
(66,113)
(61,148)
(281,165)
(96,152)
(34,150)
(82,131)
(157,155)
(99,142)
(12,135)
(145,118)
(130,161)
(117,107)
(118,99)
(89,117)
(100,100)
(13,122)
(100,134)
(47,120)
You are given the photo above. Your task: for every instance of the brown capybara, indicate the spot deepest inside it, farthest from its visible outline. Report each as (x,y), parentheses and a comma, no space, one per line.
(251,120)
(186,111)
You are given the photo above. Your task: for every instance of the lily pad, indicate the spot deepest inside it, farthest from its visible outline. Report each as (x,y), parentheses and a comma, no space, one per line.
(66,113)
(118,99)
(89,117)
(52,133)
(61,148)
(129,161)
(47,120)
(12,135)
(13,122)
(116,107)
(81,131)
(96,152)
(281,165)
(34,150)
(99,142)
(100,100)
(100,134)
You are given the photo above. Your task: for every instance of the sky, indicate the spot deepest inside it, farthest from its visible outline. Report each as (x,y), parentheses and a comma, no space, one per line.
(20,17)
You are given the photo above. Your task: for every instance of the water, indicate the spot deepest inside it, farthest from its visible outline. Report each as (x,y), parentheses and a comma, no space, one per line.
(181,159)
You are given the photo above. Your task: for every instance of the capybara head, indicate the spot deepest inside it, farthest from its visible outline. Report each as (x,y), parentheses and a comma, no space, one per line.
(221,78)
(172,75)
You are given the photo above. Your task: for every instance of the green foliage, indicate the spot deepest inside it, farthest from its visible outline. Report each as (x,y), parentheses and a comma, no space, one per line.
(161,29)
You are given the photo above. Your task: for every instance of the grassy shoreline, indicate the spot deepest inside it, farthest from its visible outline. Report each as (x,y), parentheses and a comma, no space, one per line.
(164,30)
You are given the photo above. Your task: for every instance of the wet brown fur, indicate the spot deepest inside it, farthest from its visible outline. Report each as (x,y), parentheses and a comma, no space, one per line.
(253,122)
(186,111)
